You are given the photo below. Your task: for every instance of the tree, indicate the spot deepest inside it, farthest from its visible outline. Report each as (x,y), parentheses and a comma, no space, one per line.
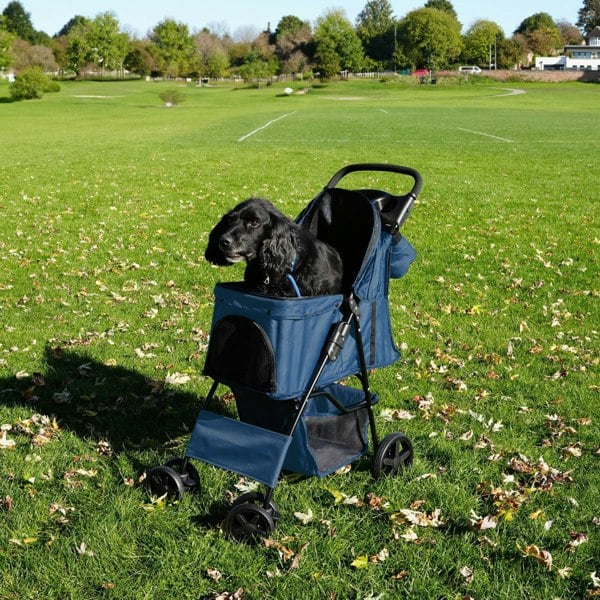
(6,42)
(569,33)
(443,5)
(541,34)
(17,21)
(430,38)
(108,44)
(589,15)
(535,22)
(212,53)
(545,42)
(28,55)
(78,51)
(480,40)
(173,48)
(288,25)
(375,26)
(292,39)
(96,43)
(510,54)
(139,59)
(71,24)
(337,44)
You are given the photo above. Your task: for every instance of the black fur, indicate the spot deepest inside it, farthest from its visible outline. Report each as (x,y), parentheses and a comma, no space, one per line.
(270,243)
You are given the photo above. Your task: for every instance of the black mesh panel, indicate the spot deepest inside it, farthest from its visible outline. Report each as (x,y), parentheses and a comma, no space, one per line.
(240,352)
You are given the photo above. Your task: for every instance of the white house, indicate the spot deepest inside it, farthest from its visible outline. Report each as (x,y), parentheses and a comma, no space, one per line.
(585,57)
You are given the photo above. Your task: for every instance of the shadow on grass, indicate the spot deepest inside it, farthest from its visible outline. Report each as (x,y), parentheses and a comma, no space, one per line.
(101,402)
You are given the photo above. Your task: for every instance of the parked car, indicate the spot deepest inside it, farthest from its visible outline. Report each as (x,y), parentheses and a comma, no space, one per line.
(469,70)
(420,73)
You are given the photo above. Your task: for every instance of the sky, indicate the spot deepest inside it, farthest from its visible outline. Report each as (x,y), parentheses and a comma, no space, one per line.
(230,16)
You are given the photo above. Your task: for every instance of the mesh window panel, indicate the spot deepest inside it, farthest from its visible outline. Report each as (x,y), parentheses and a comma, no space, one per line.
(240,352)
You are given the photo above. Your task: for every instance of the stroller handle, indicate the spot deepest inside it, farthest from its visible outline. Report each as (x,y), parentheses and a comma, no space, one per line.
(418,180)
(394,210)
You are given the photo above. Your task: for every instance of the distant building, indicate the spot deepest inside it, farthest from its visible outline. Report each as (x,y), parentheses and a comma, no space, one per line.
(584,57)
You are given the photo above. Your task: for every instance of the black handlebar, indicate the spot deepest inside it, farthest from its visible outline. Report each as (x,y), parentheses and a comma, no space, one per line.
(394,209)
(418,180)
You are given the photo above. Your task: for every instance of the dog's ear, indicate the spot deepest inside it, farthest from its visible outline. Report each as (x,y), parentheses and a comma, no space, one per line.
(278,251)
(213,253)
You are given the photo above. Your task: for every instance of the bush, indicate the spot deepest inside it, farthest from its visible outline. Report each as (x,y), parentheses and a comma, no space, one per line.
(171,97)
(32,83)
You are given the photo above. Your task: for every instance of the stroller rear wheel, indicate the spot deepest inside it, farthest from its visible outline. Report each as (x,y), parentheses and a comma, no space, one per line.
(394,454)
(248,522)
(164,481)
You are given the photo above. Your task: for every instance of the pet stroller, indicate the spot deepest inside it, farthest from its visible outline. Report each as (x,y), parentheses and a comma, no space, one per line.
(286,360)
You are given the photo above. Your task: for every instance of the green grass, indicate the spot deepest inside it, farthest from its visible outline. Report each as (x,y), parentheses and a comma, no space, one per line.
(106,200)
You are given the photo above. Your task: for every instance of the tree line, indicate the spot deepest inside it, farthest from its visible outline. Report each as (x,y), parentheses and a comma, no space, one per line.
(429,37)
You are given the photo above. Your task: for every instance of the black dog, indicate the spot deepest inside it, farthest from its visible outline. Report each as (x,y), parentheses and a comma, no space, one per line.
(283,258)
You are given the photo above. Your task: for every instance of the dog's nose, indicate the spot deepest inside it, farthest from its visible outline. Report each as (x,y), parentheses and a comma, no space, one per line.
(225,242)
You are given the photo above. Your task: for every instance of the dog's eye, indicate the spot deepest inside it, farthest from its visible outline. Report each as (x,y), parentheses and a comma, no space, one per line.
(254,223)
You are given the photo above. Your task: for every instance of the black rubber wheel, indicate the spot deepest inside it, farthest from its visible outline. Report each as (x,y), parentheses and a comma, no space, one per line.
(189,475)
(164,481)
(248,522)
(259,499)
(394,454)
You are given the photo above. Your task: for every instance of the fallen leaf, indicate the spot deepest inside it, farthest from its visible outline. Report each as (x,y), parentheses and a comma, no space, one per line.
(177,379)
(389,414)
(482,523)
(467,574)
(23,541)
(304,518)
(380,557)
(576,540)
(421,519)
(400,575)
(214,574)
(410,535)
(284,553)
(360,562)
(542,556)
(564,573)
(82,550)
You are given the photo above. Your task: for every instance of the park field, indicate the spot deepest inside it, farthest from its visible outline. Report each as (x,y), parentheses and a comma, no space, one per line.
(107,197)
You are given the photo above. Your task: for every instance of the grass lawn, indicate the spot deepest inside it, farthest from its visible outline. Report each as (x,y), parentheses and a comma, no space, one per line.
(106,201)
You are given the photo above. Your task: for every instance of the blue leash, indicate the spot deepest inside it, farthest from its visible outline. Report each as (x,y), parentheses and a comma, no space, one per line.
(292,280)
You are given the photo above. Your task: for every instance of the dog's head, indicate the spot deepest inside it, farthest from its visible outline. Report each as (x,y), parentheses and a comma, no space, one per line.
(245,232)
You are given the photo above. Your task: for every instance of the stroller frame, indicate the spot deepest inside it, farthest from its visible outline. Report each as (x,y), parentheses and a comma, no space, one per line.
(254,514)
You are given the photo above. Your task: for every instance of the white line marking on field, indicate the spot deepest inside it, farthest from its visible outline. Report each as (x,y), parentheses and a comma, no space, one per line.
(511,92)
(384,111)
(244,137)
(487,135)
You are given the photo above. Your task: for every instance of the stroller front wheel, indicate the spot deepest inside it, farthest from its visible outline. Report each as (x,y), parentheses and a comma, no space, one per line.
(187,473)
(259,499)
(164,481)
(248,522)
(394,454)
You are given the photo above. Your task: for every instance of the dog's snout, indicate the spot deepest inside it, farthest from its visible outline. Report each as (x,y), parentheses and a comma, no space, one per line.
(225,241)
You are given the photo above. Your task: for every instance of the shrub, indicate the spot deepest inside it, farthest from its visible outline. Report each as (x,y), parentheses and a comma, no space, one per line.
(32,83)
(171,97)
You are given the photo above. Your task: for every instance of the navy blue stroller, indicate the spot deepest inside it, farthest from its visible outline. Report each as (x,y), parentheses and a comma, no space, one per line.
(284,360)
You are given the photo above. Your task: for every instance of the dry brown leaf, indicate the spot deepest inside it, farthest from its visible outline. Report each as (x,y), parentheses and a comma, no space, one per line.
(542,556)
